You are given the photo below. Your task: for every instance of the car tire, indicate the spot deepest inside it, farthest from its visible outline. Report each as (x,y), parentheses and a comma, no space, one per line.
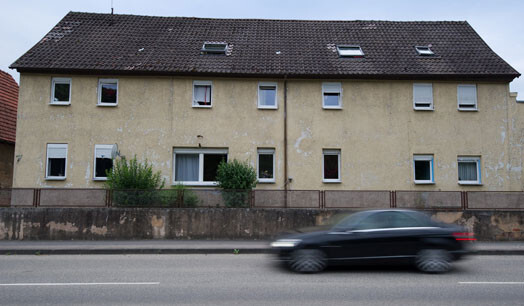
(433,261)
(308,261)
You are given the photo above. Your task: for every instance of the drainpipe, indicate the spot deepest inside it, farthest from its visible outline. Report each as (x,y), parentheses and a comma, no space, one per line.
(286,181)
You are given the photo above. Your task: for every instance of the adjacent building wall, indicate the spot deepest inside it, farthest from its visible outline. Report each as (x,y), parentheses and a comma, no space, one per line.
(377,130)
(7,155)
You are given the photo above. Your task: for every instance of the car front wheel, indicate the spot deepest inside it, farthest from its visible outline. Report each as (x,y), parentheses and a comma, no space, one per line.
(433,261)
(308,261)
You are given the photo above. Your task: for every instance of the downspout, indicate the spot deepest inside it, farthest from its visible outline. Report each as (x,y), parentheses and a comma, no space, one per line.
(286,181)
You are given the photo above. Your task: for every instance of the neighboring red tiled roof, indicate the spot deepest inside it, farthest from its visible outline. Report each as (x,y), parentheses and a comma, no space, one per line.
(8,106)
(129,44)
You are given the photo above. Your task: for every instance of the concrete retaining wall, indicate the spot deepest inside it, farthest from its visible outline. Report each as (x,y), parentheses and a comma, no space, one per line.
(210,223)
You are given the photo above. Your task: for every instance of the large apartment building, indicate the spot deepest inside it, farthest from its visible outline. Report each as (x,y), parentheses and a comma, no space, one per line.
(353,105)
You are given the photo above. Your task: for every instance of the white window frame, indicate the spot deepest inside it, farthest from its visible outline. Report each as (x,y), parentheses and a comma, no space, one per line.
(55,81)
(331,152)
(475,159)
(265,152)
(356,53)
(470,109)
(326,89)
(424,50)
(415,107)
(203,83)
(261,84)
(100,147)
(55,146)
(430,158)
(106,81)
(201,153)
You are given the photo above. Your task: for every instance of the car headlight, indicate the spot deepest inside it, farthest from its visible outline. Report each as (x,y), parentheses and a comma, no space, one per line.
(285,243)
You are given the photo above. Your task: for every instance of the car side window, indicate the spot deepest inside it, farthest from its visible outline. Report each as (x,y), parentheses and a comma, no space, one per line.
(401,219)
(375,221)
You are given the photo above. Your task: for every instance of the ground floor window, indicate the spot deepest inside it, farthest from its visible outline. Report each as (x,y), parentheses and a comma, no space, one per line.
(331,166)
(103,161)
(469,170)
(56,161)
(423,168)
(266,165)
(197,166)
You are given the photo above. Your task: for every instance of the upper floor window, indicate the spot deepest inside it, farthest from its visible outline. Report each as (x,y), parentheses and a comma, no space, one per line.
(266,165)
(467,97)
(103,161)
(107,92)
(331,166)
(423,169)
(332,95)
(349,51)
(202,96)
(56,164)
(422,96)
(61,91)
(267,95)
(469,170)
(197,166)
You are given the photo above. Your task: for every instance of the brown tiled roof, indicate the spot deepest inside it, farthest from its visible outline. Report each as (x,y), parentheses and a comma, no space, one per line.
(129,44)
(8,105)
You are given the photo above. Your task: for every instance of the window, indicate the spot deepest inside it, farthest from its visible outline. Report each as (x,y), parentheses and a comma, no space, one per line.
(214,48)
(61,91)
(331,166)
(349,51)
(266,166)
(469,170)
(423,169)
(467,97)
(202,93)
(107,92)
(56,161)
(331,95)
(422,96)
(103,161)
(267,95)
(197,166)
(424,50)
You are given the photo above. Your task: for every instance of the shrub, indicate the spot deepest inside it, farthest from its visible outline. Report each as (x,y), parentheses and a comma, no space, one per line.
(237,179)
(185,197)
(134,183)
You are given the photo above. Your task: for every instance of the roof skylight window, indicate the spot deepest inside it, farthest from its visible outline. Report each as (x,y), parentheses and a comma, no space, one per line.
(214,48)
(424,50)
(349,51)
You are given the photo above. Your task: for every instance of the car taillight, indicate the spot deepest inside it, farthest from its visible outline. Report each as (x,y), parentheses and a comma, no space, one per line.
(464,236)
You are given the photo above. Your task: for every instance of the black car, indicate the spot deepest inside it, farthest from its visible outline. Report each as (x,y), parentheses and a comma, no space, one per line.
(377,236)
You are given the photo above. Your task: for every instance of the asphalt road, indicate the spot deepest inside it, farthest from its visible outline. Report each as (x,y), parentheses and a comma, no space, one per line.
(248,280)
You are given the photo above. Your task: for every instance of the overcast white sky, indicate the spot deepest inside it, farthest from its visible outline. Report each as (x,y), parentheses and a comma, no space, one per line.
(499,23)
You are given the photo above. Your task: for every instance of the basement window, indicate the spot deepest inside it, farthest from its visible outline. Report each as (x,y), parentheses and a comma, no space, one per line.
(197,166)
(202,93)
(214,48)
(107,92)
(349,51)
(467,97)
(61,91)
(331,166)
(469,170)
(424,50)
(266,166)
(56,161)
(422,96)
(423,169)
(103,161)
(331,95)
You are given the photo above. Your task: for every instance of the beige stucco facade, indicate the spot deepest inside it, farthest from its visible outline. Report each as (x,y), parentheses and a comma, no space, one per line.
(377,130)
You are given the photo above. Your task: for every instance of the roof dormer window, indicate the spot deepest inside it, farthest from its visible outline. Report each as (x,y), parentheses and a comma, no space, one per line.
(424,50)
(349,51)
(214,48)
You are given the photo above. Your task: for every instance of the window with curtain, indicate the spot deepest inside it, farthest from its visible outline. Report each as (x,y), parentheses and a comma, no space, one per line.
(197,166)
(422,96)
(469,170)
(202,93)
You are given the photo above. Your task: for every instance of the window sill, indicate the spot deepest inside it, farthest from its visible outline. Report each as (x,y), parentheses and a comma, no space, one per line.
(195,183)
(266,181)
(202,106)
(55,178)
(267,107)
(100,179)
(423,109)
(470,183)
(331,181)
(424,183)
(107,104)
(332,107)
(467,109)
(60,103)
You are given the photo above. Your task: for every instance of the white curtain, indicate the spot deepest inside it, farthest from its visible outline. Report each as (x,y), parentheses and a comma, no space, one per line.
(186,167)
(203,93)
(467,171)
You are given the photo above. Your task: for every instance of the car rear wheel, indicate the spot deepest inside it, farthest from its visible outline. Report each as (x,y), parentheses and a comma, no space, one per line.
(308,261)
(433,261)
